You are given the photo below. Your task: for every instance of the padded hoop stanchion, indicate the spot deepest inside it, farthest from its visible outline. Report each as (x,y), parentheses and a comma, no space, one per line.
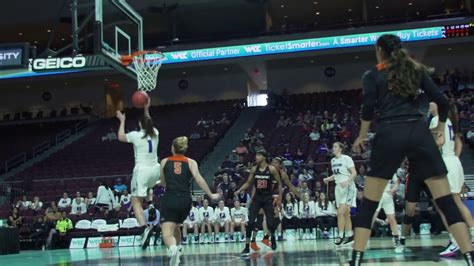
(146,64)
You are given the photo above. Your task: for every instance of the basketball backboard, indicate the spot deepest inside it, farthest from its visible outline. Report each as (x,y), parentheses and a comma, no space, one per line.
(119,31)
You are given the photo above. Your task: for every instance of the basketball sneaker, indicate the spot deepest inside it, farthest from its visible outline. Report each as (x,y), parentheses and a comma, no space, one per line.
(245,252)
(450,251)
(144,243)
(400,249)
(266,242)
(338,242)
(348,241)
(173,253)
(274,243)
(180,252)
(254,246)
(242,238)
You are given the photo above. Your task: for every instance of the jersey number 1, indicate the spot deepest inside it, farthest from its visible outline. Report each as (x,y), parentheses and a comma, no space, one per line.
(177,168)
(451,132)
(150,146)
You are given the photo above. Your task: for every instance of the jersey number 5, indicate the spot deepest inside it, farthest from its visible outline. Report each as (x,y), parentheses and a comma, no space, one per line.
(177,168)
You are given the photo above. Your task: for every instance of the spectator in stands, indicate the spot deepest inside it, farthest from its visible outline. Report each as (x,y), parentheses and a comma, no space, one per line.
(15,220)
(360,178)
(241,149)
(119,187)
(325,126)
(294,180)
(64,202)
(59,234)
(223,120)
(152,218)
(198,202)
(212,134)
(39,231)
(227,164)
(201,122)
(240,166)
(195,135)
(314,135)
(307,215)
(244,199)
(318,186)
(36,205)
(105,197)
(78,195)
(325,214)
(110,136)
(258,134)
(78,206)
(305,176)
(258,146)
(470,135)
(234,157)
(226,188)
(303,187)
(344,134)
(290,212)
(23,204)
(281,122)
(424,211)
(90,200)
(125,199)
(52,213)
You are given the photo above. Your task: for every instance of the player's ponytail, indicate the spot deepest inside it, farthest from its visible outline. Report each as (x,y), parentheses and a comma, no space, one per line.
(147,125)
(453,115)
(403,72)
(180,145)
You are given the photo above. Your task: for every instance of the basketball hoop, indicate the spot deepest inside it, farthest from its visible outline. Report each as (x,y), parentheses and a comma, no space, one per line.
(146,64)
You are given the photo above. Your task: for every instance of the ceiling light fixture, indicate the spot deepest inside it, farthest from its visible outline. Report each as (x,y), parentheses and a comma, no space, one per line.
(311,61)
(285,16)
(449,49)
(356,57)
(410,4)
(225,69)
(282,6)
(350,10)
(184,72)
(317,13)
(48,30)
(377,7)
(315,2)
(35,41)
(20,33)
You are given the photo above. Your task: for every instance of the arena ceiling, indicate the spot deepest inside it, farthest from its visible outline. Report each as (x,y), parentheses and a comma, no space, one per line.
(206,20)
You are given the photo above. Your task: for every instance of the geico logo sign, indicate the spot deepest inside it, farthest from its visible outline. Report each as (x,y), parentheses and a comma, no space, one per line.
(57,63)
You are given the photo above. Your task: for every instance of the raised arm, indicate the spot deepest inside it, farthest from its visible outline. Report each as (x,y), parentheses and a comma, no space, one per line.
(121,131)
(200,180)
(146,109)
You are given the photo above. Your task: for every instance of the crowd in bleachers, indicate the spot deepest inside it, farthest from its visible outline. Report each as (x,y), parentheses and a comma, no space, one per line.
(299,129)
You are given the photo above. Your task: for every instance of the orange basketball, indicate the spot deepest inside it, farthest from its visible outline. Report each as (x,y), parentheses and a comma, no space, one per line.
(140,99)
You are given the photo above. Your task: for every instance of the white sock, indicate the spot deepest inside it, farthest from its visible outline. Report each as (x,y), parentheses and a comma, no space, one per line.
(172,250)
(471,230)
(348,234)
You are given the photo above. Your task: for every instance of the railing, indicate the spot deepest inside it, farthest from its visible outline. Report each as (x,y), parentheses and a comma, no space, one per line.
(62,136)
(40,148)
(15,161)
(44,146)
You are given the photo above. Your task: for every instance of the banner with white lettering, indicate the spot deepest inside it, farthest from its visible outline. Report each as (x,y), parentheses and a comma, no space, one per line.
(126,241)
(77,243)
(94,242)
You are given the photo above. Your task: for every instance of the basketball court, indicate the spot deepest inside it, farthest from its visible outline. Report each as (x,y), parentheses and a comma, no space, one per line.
(422,251)
(118,46)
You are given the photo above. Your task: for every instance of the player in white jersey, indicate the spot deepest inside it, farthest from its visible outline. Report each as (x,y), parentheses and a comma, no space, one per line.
(206,216)
(240,218)
(450,150)
(386,203)
(222,220)
(191,222)
(146,173)
(344,172)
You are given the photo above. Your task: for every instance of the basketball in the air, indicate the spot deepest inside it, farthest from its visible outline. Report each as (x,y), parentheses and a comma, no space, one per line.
(140,99)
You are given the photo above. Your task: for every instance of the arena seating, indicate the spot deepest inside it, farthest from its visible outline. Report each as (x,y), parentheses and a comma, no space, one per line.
(91,156)
(17,138)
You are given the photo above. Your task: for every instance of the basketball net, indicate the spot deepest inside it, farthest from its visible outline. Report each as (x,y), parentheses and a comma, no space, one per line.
(146,64)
